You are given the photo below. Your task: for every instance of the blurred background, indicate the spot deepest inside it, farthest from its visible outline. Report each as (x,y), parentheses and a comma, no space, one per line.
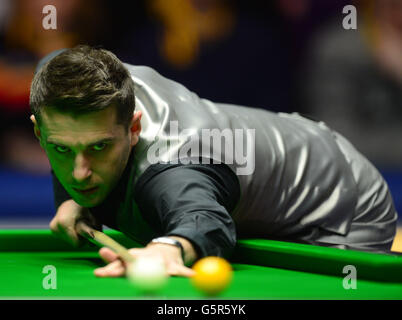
(280,55)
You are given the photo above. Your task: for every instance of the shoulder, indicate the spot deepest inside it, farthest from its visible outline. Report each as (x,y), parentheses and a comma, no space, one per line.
(176,180)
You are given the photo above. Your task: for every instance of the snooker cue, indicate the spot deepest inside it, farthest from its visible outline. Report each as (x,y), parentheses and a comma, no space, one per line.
(101,239)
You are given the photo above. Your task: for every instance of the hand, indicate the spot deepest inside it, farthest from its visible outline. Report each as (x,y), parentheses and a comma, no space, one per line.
(65,222)
(169,254)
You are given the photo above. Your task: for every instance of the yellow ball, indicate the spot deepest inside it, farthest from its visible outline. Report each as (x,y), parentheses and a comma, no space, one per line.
(212,275)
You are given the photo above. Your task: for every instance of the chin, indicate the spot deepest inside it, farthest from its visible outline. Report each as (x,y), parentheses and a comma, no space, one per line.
(88,203)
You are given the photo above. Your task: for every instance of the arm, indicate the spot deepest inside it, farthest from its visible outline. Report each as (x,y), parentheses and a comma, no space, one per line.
(190,203)
(190,254)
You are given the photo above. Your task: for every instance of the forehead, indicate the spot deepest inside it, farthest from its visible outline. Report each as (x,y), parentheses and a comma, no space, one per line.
(79,129)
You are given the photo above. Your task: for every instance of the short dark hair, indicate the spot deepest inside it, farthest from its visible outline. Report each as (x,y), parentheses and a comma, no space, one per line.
(81,80)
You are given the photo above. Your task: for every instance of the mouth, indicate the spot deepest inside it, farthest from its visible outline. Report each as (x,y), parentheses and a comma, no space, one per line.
(87,191)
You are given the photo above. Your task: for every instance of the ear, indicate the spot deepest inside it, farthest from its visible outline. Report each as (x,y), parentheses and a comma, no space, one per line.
(135,128)
(36,129)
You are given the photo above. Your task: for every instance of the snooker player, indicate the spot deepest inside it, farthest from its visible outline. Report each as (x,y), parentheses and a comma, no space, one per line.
(129,149)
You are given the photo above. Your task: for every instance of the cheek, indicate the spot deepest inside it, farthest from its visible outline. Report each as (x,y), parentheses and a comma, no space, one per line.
(63,175)
(60,167)
(62,172)
(115,162)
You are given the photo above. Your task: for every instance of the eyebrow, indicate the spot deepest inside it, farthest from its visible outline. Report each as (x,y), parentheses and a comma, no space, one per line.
(59,143)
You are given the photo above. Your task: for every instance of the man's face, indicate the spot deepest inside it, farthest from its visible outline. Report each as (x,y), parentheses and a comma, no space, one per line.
(88,153)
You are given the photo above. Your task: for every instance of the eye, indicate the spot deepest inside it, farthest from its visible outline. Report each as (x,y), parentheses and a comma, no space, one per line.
(99,146)
(62,149)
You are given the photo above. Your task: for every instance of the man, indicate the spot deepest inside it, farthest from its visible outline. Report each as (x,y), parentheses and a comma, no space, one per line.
(141,154)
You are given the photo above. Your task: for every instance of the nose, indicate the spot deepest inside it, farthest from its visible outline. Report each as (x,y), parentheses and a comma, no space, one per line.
(82,169)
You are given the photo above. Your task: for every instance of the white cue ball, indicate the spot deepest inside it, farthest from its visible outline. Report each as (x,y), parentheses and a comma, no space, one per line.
(147,274)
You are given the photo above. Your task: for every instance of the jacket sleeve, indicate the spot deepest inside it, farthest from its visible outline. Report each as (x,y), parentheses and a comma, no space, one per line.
(193,202)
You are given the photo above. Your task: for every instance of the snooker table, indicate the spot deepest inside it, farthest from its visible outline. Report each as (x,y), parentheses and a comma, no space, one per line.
(263,270)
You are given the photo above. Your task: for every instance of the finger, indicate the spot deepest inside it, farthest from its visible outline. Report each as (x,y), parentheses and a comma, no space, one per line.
(53,226)
(180,270)
(69,235)
(113,269)
(89,221)
(73,235)
(108,255)
(55,229)
(83,229)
